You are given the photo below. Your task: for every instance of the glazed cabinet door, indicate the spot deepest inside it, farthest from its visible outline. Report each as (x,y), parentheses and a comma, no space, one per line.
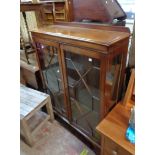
(48,55)
(82,70)
(113,76)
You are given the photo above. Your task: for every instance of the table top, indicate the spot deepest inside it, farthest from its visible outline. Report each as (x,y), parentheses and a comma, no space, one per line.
(114,127)
(30,99)
(97,36)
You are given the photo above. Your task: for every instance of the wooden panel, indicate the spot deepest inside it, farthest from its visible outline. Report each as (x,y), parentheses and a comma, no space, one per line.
(46,42)
(66,92)
(72,42)
(33,69)
(130,89)
(47,14)
(83,10)
(26,131)
(29,7)
(81,51)
(113,148)
(114,127)
(30,75)
(103,11)
(63,77)
(59,11)
(102,87)
(95,26)
(100,37)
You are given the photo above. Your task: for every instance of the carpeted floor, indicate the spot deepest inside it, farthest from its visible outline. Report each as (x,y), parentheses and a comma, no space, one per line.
(53,139)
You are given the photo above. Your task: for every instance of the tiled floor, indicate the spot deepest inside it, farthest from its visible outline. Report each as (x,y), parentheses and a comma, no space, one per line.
(53,139)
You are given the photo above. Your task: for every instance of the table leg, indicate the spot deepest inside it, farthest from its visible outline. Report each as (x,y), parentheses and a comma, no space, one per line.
(50,109)
(27,133)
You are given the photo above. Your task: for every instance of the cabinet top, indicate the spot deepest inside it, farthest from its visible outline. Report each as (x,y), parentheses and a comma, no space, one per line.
(90,35)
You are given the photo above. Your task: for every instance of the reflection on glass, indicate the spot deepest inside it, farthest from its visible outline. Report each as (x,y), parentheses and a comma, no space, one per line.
(83,80)
(51,72)
(112,79)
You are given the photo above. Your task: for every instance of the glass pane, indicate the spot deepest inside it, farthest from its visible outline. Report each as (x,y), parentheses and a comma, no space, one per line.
(83,75)
(48,56)
(113,79)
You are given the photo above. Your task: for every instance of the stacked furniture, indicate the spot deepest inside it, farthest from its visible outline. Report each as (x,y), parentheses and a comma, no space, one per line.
(48,11)
(45,13)
(82,68)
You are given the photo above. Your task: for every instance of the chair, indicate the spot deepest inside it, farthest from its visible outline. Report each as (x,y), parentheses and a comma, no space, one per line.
(26,48)
(129,98)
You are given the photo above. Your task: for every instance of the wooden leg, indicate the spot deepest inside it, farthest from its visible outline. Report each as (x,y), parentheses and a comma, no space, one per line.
(26,131)
(102,145)
(50,109)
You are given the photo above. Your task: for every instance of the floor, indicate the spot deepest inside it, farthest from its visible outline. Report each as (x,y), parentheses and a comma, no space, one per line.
(54,139)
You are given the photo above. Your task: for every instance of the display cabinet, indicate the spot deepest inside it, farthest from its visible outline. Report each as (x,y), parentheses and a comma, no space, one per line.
(82,68)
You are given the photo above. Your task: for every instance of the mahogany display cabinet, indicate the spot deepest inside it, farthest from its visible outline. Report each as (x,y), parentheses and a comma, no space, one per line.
(82,68)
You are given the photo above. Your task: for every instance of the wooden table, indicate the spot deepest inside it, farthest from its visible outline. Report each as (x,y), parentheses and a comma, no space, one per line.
(113,129)
(31,102)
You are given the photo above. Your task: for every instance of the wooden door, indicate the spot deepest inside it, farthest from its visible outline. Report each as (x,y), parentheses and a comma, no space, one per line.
(82,71)
(49,60)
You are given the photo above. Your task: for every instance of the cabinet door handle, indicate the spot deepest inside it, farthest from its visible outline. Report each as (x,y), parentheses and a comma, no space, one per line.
(114,152)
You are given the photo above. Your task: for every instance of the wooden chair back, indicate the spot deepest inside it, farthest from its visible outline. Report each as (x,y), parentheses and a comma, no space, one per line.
(129,98)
